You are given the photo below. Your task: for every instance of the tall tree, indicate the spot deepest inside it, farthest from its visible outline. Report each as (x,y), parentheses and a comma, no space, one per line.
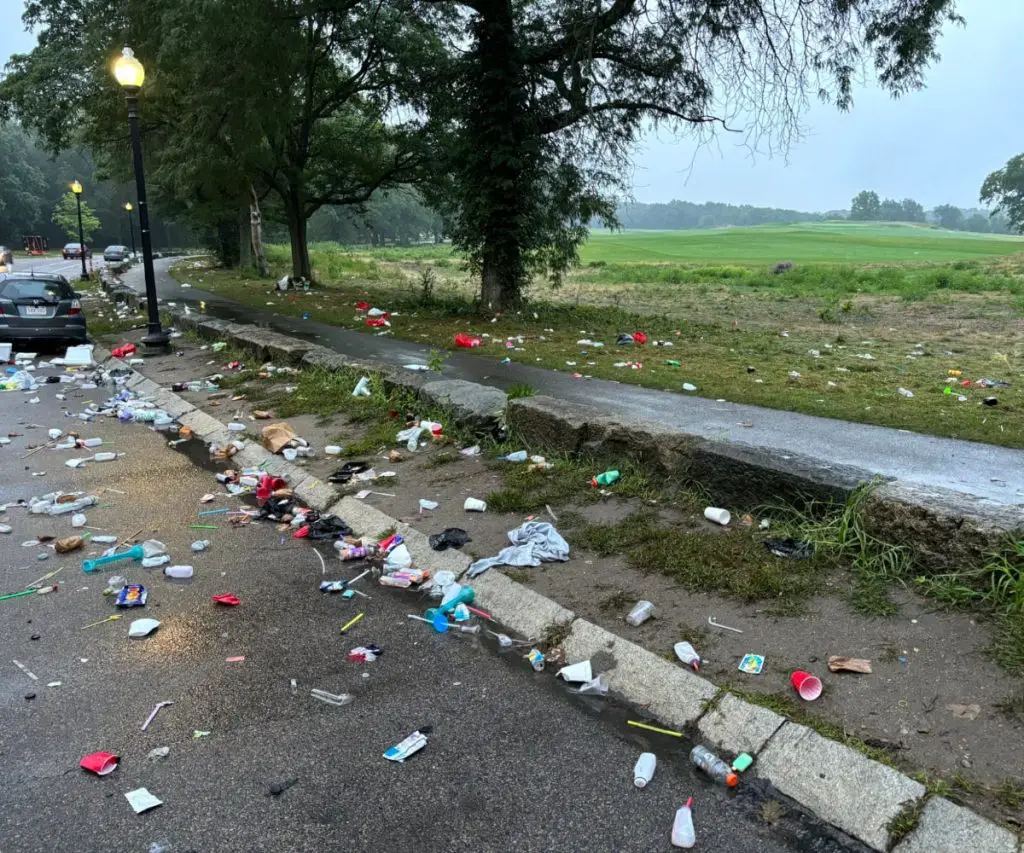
(977,222)
(1005,189)
(22,185)
(541,102)
(65,216)
(912,211)
(949,216)
(866,206)
(890,210)
(292,98)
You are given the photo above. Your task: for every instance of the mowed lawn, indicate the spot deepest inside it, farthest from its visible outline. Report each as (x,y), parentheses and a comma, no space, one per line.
(866,311)
(824,242)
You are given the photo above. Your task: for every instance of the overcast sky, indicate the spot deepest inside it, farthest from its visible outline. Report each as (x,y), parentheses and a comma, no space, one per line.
(936,145)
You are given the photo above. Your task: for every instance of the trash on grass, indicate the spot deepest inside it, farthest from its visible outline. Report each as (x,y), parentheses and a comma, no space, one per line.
(688,655)
(808,686)
(790,548)
(533,543)
(752,664)
(839,663)
(641,612)
(450,537)
(608,478)
(277,436)
(717,515)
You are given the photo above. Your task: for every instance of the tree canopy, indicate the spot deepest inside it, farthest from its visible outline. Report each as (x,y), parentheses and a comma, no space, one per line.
(1005,189)
(65,217)
(516,119)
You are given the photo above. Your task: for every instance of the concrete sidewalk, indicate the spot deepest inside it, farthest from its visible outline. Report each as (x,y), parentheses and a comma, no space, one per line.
(993,475)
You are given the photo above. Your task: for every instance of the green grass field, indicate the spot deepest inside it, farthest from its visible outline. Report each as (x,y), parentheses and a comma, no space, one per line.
(920,301)
(811,243)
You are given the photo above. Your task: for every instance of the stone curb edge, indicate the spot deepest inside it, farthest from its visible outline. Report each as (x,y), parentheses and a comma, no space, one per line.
(834,782)
(943,527)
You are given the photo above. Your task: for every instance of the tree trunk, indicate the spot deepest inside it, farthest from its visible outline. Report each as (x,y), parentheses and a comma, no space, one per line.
(297,235)
(502,171)
(244,243)
(256,233)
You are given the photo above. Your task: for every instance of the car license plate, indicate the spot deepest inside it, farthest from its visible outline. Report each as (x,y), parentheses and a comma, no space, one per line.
(34,311)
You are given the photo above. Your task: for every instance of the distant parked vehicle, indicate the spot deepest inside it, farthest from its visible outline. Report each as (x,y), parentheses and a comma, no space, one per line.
(116,254)
(40,307)
(73,251)
(6,259)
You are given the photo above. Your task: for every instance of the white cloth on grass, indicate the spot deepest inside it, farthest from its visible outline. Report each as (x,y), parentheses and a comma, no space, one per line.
(533,543)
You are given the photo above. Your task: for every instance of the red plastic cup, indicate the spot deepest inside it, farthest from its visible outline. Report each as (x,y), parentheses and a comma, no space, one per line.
(100,763)
(807,685)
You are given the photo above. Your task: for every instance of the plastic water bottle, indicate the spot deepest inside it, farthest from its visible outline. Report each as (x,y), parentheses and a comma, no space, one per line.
(644,770)
(72,506)
(105,457)
(711,764)
(235,426)
(179,571)
(641,612)
(153,562)
(518,456)
(682,827)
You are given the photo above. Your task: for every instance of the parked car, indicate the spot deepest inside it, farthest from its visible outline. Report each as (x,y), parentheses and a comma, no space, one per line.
(73,251)
(40,307)
(116,254)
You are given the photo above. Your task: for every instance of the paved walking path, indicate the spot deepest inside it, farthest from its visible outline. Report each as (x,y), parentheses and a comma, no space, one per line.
(995,474)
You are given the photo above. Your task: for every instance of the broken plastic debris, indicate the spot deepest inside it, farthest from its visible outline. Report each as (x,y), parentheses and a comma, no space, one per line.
(411,745)
(142,627)
(331,698)
(142,801)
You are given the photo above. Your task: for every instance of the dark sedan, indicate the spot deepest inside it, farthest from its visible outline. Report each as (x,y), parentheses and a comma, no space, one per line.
(73,251)
(40,308)
(116,254)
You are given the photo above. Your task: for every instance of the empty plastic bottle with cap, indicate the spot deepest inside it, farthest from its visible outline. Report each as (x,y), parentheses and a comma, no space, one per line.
(71,506)
(682,827)
(518,456)
(711,764)
(644,770)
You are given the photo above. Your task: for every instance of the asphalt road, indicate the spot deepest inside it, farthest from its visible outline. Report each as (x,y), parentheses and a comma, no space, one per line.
(514,763)
(69,269)
(988,472)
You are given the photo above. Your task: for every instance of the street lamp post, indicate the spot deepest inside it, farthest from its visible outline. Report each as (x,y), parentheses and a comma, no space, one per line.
(130,74)
(76,188)
(131,225)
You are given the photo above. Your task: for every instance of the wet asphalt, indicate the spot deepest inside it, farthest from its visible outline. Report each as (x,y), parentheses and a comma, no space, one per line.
(991,473)
(515,762)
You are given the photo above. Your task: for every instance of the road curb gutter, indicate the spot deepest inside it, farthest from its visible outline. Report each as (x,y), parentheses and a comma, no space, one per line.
(835,783)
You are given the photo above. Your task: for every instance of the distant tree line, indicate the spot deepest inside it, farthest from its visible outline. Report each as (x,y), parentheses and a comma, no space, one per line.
(868,207)
(678,214)
(33,184)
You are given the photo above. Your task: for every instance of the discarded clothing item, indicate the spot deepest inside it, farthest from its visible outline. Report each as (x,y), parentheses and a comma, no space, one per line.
(347,471)
(450,537)
(790,548)
(533,543)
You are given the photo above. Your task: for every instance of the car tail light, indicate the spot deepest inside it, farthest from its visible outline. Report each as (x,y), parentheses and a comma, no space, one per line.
(1,310)
(76,307)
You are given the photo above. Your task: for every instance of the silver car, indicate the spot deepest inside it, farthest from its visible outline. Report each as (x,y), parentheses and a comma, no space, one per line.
(37,307)
(116,254)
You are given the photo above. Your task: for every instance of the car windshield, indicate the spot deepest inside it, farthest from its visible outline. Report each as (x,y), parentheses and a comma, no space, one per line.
(72,245)
(50,291)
